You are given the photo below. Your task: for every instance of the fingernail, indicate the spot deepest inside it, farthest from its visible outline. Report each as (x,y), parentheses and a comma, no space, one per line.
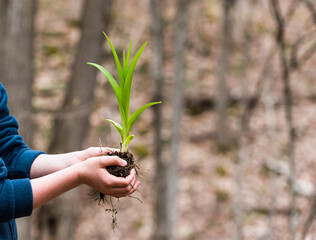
(124,163)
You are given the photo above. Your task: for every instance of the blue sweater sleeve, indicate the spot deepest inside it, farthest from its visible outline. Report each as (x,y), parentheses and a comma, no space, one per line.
(17,157)
(16,198)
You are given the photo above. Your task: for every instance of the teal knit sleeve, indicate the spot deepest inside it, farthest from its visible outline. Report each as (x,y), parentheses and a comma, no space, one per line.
(16,197)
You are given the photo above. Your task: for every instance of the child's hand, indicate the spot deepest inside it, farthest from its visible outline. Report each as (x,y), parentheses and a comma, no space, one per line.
(55,174)
(94,152)
(93,173)
(45,164)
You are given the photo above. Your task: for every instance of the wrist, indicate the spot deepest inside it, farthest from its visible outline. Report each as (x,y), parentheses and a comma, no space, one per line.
(72,158)
(80,171)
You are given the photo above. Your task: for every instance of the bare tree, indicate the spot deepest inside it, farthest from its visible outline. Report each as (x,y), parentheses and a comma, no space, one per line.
(269,103)
(311,8)
(308,53)
(57,220)
(16,70)
(223,138)
(177,106)
(280,39)
(242,39)
(16,58)
(71,124)
(158,75)
(3,29)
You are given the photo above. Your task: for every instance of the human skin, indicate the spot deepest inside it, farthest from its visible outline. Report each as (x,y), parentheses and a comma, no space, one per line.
(52,175)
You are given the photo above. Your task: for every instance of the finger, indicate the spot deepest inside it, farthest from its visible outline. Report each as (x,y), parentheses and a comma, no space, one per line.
(121,184)
(97,151)
(120,190)
(107,149)
(133,182)
(91,152)
(135,186)
(117,182)
(120,194)
(112,161)
(124,187)
(131,176)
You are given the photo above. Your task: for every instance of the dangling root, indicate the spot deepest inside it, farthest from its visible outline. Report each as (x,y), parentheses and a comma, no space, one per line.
(114,213)
(118,171)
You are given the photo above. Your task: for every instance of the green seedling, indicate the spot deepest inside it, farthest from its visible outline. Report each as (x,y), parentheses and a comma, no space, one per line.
(122,91)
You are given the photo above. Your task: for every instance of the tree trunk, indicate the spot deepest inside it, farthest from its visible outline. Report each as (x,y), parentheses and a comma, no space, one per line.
(160,183)
(177,106)
(16,58)
(72,123)
(242,40)
(222,135)
(287,94)
(16,70)
(3,29)
(271,126)
(58,219)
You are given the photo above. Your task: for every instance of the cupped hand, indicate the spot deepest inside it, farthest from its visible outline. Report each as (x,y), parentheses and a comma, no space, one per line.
(93,172)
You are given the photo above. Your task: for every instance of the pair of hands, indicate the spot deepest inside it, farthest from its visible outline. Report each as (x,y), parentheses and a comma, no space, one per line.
(54,174)
(92,171)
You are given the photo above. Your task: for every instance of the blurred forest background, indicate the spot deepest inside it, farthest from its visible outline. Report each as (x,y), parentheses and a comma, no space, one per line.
(230,154)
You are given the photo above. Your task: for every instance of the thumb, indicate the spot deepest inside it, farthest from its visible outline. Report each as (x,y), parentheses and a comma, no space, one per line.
(113,161)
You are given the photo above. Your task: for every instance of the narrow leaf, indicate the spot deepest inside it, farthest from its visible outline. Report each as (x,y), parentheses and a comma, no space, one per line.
(136,114)
(117,126)
(112,81)
(129,54)
(125,69)
(118,64)
(129,139)
(133,64)
(128,81)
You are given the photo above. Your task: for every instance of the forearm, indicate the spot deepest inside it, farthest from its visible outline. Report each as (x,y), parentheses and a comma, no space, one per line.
(50,186)
(46,164)
(91,172)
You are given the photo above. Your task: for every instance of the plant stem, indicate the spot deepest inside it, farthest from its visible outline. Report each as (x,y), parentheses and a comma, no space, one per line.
(124,147)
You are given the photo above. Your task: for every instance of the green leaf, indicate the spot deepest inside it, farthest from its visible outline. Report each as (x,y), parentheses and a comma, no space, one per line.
(124,66)
(122,90)
(118,64)
(136,114)
(117,126)
(129,54)
(129,139)
(133,65)
(112,81)
(128,81)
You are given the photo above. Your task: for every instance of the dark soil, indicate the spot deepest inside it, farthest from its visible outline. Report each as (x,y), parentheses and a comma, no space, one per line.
(119,171)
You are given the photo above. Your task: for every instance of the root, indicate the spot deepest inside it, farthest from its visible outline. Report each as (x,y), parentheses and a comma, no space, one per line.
(114,214)
(130,196)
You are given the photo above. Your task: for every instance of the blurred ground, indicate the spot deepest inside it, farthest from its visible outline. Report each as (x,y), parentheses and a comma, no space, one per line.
(207,183)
